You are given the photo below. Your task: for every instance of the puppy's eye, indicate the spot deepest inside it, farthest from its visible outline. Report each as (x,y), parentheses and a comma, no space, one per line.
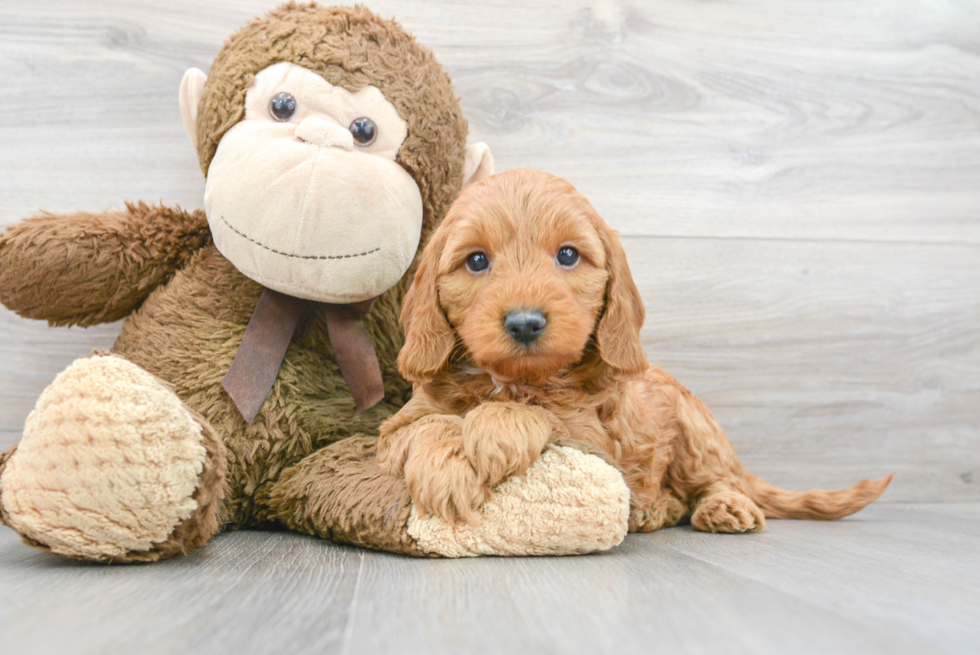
(364,131)
(477,262)
(567,256)
(282,107)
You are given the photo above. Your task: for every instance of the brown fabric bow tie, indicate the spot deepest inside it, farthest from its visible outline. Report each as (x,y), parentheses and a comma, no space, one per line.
(271,328)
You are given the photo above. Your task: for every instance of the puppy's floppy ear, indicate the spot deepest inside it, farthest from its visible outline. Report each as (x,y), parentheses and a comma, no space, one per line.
(618,334)
(428,337)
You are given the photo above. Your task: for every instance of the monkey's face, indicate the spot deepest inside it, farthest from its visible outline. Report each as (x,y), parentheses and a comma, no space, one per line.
(304,194)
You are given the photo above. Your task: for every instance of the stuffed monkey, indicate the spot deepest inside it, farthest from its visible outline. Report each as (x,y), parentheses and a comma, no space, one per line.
(258,353)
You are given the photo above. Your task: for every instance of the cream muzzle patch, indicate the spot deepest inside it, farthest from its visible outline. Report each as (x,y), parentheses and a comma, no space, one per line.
(303,140)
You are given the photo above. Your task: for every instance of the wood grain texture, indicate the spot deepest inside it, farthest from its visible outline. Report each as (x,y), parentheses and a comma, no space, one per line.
(826,364)
(799,184)
(896,579)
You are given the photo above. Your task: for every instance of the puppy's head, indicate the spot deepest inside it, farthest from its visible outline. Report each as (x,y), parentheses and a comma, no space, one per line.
(528,276)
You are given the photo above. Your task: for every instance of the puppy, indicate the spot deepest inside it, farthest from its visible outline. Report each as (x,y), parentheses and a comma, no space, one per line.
(523,328)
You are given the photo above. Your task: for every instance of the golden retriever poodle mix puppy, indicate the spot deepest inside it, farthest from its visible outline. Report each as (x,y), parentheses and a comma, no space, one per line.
(523,328)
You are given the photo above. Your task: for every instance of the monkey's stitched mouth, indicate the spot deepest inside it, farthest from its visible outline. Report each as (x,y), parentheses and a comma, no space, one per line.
(288,254)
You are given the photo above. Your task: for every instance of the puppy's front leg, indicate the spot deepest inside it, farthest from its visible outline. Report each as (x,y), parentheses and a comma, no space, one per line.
(427,449)
(502,439)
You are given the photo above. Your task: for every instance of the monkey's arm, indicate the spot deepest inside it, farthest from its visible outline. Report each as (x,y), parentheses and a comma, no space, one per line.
(568,502)
(382,494)
(84,269)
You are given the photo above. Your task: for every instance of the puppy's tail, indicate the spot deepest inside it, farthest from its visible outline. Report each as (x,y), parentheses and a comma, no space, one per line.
(817,504)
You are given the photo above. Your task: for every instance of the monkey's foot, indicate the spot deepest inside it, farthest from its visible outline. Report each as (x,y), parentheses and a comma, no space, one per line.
(727,511)
(567,503)
(113,467)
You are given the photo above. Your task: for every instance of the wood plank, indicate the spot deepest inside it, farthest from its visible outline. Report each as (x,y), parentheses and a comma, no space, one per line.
(639,598)
(863,568)
(251,592)
(826,362)
(894,579)
(764,118)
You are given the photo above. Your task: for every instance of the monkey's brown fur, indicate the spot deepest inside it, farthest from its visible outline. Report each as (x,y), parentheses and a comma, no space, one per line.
(350,48)
(485,405)
(186,306)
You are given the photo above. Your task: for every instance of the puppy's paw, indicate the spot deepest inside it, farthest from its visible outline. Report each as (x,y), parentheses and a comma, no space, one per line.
(728,511)
(394,445)
(664,512)
(442,482)
(504,439)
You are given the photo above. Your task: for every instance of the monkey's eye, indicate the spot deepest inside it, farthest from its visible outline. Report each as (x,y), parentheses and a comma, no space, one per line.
(282,107)
(364,131)
(567,256)
(477,262)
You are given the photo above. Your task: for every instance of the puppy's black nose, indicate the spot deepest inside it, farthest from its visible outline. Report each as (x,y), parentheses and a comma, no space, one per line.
(525,325)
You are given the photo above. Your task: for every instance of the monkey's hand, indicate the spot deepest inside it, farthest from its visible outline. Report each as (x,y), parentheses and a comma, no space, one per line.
(503,439)
(546,499)
(84,269)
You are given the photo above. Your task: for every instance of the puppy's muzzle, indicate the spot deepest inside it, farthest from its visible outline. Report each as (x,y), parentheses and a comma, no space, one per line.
(524,325)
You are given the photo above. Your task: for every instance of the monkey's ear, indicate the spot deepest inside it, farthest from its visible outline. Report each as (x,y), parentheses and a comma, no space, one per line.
(478,163)
(618,336)
(429,339)
(191,89)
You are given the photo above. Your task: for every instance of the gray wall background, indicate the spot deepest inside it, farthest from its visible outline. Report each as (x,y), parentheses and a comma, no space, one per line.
(797,184)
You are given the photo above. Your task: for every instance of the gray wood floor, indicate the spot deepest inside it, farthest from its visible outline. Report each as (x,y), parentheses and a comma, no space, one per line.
(798,185)
(893,579)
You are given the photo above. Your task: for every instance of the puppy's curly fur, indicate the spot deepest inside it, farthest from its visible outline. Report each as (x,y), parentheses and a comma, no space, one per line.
(486,403)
